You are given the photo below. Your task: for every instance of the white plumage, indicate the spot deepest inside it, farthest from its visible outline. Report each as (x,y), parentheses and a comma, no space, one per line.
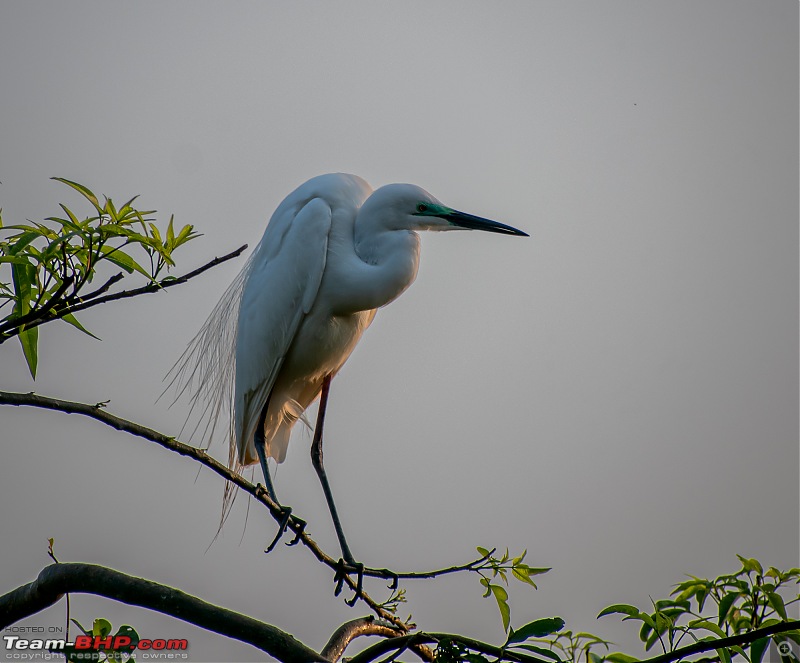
(333,252)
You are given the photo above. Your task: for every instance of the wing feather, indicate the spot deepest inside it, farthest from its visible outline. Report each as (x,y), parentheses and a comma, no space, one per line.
(280,289)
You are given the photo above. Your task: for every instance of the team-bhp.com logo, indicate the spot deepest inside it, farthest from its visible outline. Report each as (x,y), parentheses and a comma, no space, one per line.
(90,644)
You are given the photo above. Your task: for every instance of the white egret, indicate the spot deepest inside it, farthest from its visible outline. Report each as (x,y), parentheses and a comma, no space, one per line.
(333,253)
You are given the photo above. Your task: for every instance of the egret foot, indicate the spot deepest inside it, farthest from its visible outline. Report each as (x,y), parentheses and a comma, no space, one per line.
(286,515)
(301,527)
(345,568)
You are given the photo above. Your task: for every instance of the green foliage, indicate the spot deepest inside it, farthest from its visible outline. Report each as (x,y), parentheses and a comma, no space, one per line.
(102,628)
(491,568)
(453,651)
(569,647)
(704,609)
(48,266)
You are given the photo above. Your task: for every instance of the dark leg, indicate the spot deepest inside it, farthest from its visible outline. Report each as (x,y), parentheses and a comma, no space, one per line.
(262,459)
(316,460)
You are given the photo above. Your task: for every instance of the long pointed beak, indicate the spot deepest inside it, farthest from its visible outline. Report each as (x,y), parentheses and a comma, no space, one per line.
(471,222)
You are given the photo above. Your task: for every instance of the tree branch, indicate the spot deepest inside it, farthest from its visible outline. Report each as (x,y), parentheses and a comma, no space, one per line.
(46,314)
(257,491)
(730,641)
(351,630)
(36,313)
(416,640)
(58,579)
(103,288)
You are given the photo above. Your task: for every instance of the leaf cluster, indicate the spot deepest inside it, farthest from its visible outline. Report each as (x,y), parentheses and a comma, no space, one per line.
(453,649)
(51,264)
(492,568)
(704,610)
(102,628)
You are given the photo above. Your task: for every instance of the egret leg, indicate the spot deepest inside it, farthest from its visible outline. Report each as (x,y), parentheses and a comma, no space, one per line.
(316,460)
(260,445)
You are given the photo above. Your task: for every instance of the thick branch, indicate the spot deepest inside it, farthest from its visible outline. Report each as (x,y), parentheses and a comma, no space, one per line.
(59,579)
(351,630)
(60,309)
(730,641)
(415,640)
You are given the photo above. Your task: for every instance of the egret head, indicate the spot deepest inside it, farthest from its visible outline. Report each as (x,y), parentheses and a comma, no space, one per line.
(409,207)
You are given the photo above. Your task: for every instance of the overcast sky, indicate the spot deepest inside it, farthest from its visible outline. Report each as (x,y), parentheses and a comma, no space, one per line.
(618,394)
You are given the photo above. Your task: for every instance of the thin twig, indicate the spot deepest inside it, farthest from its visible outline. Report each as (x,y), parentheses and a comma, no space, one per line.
(103,288)
(40,316)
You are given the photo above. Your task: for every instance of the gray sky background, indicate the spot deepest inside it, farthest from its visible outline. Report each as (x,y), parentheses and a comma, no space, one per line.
(618,394)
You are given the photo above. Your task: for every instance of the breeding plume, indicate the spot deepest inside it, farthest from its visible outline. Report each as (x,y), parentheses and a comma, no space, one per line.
(333,253)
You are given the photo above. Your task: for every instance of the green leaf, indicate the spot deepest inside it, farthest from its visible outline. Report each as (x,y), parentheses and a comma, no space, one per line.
(541,651)
(122,259)
(536,629)
(724,655)
(751,564)
(109,209)
(101,627)
(17,260)
(81,190)
(535,571)
(171,233)
(22,240)
(483,552)
(776,601)
(71,319)
(522,576)
(23,277)
(757,649)
(619,657)
(709,626)
(187,233)
(130,632)
(647,619)
(156,235)
(29,339)
(725,606)
(501,596)
(654,637)
(622,608)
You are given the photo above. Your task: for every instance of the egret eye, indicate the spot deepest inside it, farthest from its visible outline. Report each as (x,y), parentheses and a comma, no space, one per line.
(422,207)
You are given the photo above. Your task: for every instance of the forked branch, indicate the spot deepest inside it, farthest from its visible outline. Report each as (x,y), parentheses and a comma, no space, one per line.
(59,306)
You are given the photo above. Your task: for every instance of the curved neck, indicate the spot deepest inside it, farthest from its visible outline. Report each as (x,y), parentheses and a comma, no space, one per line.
(373,266)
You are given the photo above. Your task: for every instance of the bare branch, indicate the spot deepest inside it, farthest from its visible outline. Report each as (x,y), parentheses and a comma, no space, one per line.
(103,288)
(416,641)
(721,643)
(43,315)
(441,572)
(353,629)
(58,579)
